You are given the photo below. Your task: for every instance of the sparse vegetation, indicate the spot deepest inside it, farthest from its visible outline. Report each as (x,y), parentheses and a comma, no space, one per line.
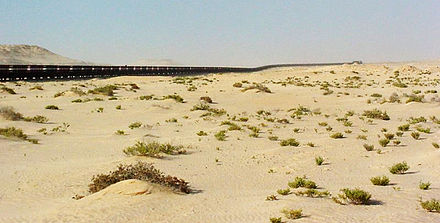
(292,214)
(384,142)
(369,147)
(355,196)
(380,180)
(319,160)
(399,168)
(135,125)
(432,205)
(52,107)
(302,182)
(337,135)
(376,114)
(289,142)
(424,185)
(221,135)
(153,149)
(106,90)
(12,132)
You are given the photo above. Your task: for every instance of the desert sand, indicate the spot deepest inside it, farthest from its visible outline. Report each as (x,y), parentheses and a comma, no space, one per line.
(232,178)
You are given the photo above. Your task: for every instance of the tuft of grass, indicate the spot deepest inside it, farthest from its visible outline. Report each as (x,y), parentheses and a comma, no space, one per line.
(384,142)
(302,182)
(283,192)
(319,160)
(436,145)
(369,147)
(206,99)
(432,205)
(355,196)
(389,136)
(140,171)
(8,90)
(202,133)
(337,135)
(292,214)
(221,135)
(399,168)
(146,97)
(424,186)
(271,198)
(274,219)
(312,193)
(380,180)
(52,107)
(12,132)
(135,125)
(259,87)
(153,149)
(415,135)
(403,128)
(120,132)
(376,114)
(106,90)
(289,142)
(424,130)
(175,97)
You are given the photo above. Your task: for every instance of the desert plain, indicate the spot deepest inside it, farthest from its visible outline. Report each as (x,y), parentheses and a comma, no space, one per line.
(245,137)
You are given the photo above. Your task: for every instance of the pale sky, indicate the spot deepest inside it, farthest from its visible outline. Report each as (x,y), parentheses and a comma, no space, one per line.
(214,32)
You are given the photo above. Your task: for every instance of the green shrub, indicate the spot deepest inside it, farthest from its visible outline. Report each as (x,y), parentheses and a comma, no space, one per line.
(436,145)
(140,171)
(274,219)
(432,205)
(292,214)
(376,114)
(302,182)
(202,133)
(312,193)
(415,135)
(404,127)
(135,125)
(337,135)
(221,135)
(37,119)
(289,142)
(389,136)
(106,90)
(426,130)
(120,132)
(153,149)
(146,97)
(399,168)
(319,160)
(52,107)
(384,142)
(12,132)
(283,191)
(398,133)
(380,180)
(415,98)
(118,107)
(424,186)
(368,147)
(176,98)
(273,138)
(355,196)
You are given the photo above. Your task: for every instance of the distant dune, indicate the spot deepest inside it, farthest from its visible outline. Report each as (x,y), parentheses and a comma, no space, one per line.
(31,54)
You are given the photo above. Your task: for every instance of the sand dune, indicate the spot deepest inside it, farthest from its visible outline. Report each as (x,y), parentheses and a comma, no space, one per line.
(232,178)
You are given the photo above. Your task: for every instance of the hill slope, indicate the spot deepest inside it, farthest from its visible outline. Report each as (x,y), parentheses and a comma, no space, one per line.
(31,54)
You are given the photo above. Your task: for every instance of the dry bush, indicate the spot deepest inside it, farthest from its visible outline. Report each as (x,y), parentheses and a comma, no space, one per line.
(139,171)
(9,113)
(153,149)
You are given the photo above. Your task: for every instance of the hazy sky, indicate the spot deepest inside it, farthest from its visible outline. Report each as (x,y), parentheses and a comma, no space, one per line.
(213,32)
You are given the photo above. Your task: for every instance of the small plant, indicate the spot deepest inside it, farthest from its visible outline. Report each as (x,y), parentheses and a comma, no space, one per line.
(153,149)
(376,114)
(415,135)
(384,142)
(426,130)
(369,147)
(436,145)
(259,87)
(432,205)
(380,180)
(135,125)
(389,136)
(302,182)
(292,214)
(52,107)
(120,132)
(283,191)
(311,144)
(312,193)
(106,90)
(289,142)
(355,196)
(140,171)
(12,132)
(363,137)
(176,98)
(118,107)
(146,97)
(274,219)
(399,168)
(319,160)
(424,186)
(206,99)
(337,135)
(271,198)
(202,133)
(273,138)
(398,133)
(221,135)
(8,90)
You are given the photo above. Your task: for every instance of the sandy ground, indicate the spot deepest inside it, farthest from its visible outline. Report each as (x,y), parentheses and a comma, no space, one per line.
(231,178)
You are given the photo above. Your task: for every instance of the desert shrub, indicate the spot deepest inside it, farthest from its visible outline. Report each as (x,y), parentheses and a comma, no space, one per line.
(394,97)
(415,120)
(52,107)
(206,107)
(106,90)
(232,126)
(289,142)
(12,132)
(376,95)
(283,191)
(302,182)
(322,123)
(118,107)
(140,171)
(424,186)
(311,144)
(436,145)
(337,135)
(312,193)
(146,97)
(221,135)
(368,147)
(9,113)
(36,87)
(271,198)
(237,85)
(135,125)
(153,149)
(171,120)
(259,87)
(398,133)
(202,133)
(380,180)
(415,98)
(292,214)
(275,220)
(8,90)
(77,91)
(404,127)
(384,142)
(432,205)
(363,137)
(355,196)
(175,97)
(376,114)
(120,132)
(424,130)
(415,135)
(319,160)
(77,100)
(399,168)
(400,84)
(396,142)
(389,136)
(37,119)
(273,138)
(206,99)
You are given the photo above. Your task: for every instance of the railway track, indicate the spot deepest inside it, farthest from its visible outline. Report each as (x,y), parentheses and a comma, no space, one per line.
(62,72)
